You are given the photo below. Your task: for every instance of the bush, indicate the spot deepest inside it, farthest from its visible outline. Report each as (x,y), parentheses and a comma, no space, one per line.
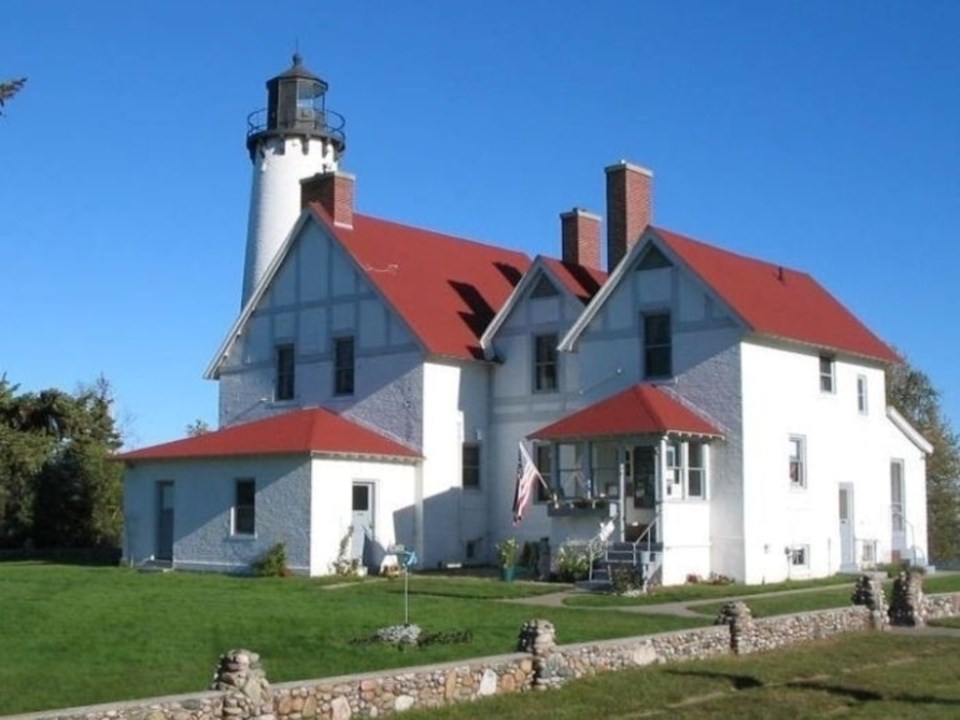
(507,552)
(626,579)
(273,563)
(573,563)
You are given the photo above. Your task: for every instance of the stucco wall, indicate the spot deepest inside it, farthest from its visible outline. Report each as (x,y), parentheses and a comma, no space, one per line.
(318,295)
(204,495)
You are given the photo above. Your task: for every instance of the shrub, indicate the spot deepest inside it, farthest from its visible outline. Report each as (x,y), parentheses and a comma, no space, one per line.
(273,563)
(507,552)
(573,563)
(626,579)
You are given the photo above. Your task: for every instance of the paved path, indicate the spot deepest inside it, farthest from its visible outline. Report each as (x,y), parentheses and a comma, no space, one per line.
(685,608)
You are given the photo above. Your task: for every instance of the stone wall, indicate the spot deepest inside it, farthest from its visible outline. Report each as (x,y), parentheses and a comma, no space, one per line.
(242,691)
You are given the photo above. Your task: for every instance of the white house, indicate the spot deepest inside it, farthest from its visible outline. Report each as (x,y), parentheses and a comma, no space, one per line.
(728,414)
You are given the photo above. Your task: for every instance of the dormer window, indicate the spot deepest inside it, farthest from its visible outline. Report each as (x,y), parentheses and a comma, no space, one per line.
(827,374)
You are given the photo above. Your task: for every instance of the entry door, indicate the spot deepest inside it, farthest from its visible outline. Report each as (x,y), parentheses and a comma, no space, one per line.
(848,559)
(164,521)
(363,521)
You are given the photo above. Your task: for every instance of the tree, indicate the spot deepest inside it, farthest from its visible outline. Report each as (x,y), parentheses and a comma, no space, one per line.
(10,88)
(197,427)
(58,483)
(910,391)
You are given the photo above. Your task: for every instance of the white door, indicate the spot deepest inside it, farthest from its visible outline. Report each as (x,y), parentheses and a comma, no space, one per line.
(363,522)
(898,525)
(848,559)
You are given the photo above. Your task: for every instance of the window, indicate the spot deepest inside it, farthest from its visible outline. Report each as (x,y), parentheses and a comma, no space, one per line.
(656,346)
(244,507)
(674,484)
(696,472)
(896,495)
(343,369)
(471,465)
(361,497)
(862,394)
(827,384)
(285,373)
(799,555)
(571,482)
(543,457)
(605,468)
(798,462)
(545,362)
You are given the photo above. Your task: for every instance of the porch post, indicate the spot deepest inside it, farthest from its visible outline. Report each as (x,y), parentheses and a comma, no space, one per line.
(660,490)
(623,499)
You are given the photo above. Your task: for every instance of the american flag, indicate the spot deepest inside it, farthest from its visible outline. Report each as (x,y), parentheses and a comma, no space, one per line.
(527,478)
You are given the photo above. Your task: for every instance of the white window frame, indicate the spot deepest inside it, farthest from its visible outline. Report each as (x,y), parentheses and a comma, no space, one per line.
(800,459)
(898,517)
(677,469)
(862,405)
(234,524)
(828,374)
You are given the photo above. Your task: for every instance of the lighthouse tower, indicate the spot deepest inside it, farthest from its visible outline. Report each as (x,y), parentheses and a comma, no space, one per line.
(295,137)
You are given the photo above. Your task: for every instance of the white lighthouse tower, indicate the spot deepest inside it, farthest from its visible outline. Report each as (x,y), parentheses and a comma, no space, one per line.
(295,137)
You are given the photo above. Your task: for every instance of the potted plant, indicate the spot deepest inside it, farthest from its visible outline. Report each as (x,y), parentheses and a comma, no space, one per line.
(507,558)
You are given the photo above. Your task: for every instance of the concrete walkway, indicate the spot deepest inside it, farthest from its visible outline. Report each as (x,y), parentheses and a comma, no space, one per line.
(685,608)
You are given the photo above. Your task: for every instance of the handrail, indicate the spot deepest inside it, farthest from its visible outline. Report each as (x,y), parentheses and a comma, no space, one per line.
(328,122)
(646,534)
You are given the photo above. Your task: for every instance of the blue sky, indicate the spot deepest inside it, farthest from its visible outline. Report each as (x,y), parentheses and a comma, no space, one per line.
(820,135)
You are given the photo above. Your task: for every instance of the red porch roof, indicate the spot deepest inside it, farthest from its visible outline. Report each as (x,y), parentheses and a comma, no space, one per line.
(638,410)
(295,432)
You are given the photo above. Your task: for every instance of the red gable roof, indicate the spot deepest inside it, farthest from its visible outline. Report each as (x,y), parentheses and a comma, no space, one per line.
(778,301)
(295,432)
(638,410)
(582,281)
(447,289)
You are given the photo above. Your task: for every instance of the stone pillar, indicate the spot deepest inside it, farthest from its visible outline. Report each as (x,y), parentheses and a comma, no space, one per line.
(737,615)
(538,637)
(906,606)
(240,675)
(869,591)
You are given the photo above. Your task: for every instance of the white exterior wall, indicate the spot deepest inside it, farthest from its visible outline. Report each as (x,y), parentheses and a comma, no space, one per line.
(782,397)
(455,410)
(204,496)
(915,491)
(278,166)
(331,504)
(316,296)
(686,540)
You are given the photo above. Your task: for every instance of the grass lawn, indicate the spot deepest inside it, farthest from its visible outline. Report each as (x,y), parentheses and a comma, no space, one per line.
(854,677)
(82,635)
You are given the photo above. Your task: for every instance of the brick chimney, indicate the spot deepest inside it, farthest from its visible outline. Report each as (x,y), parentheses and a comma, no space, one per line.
(334,191)
(629,208)
(580,236)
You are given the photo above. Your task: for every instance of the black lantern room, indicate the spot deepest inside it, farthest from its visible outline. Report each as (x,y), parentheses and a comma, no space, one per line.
(296,106)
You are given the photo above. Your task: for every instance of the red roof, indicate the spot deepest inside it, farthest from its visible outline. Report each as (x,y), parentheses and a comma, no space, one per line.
(295,432)
(582,281)
(638,410)
(447,289)
(778,301)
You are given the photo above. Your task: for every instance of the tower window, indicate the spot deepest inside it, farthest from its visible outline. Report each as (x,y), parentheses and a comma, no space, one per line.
(862,394)
(343,366)
(286,365)
(798,462)
(657,345)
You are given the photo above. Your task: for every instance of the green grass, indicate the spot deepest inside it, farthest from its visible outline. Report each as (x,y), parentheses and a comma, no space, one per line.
(854,677)
(703,591)
(82,635)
